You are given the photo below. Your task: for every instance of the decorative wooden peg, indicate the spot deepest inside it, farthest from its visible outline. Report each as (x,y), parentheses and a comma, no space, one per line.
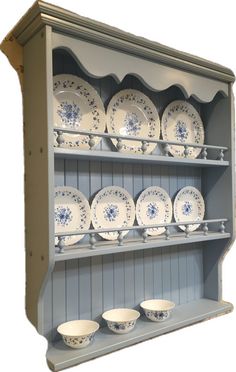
(166,149)
(222,227)
(119,144)
(144,235)
(61,244)
(120,238)
(144,146)
(221,156)
(205,228)
(187,231)
(92,241)
(204,153)
(60,138)
(167,233)
(91,141)
(186,151)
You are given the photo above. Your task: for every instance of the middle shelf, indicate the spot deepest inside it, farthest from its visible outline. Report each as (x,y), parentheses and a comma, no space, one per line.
(96,248)
(67,153)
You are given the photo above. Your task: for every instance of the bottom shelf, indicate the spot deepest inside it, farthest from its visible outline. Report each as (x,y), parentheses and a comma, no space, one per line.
(59,356)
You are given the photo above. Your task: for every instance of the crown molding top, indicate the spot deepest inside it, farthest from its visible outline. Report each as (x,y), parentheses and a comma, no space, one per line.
(42,13)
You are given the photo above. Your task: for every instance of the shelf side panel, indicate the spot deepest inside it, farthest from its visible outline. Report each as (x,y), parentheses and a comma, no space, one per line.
(218,190)
(38,151)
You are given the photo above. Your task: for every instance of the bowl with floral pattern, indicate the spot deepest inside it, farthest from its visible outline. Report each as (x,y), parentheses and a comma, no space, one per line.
(78,333)
(157,310)
(121,320)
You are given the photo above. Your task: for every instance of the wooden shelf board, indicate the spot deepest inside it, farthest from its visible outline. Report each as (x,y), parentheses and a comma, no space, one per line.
(108,247)
(135,158)
(59,356)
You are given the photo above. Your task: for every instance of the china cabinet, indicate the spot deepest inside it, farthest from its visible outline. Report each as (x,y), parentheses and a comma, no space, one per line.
(82,281)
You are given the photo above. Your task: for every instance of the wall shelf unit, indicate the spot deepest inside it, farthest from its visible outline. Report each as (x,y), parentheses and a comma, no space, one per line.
(82,281)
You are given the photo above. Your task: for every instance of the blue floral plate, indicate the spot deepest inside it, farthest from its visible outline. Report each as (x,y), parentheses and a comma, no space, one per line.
(71,213)
(132,113)
(182,123)
(77,105)
(154,206)
(112,207)
(189,206)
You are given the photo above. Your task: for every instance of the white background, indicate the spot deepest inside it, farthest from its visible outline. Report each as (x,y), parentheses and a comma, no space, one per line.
(206,29)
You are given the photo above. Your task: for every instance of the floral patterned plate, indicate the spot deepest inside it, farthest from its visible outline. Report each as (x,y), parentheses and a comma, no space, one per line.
(181,122)
(189,206)
(131,113)
(112,207)
(154,206)
(72,212)
(77,105)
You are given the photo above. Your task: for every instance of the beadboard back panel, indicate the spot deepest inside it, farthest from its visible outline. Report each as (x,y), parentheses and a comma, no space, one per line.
(84,288)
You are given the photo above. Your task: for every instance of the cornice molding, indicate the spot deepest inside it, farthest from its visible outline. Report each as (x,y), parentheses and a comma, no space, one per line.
(61,20)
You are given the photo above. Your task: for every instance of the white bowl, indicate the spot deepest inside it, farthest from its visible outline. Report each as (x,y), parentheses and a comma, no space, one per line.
(78,333)
(121,320)
(157,310)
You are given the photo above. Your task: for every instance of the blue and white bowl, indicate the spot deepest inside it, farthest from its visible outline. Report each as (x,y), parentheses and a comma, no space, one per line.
(121,320)
(157,310)
(78,333)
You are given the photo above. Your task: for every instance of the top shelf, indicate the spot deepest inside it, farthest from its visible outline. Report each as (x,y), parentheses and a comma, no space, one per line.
(135,158)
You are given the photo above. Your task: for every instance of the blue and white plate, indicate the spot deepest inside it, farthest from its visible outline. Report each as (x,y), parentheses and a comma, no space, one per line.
(77,105)
(112,207)
(132,113)
(182,123)
(189,206)
(154,206)
(71,212)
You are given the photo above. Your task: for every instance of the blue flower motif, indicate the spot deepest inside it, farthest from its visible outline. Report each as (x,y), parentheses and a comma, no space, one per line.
(63,215)
(111,212)
(181,131)
(69,113)
(132,124)
(152,210)
(187,208)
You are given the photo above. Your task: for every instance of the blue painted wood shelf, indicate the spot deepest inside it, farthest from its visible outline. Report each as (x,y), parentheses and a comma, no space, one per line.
(60,356)
(130,245)
(116,156)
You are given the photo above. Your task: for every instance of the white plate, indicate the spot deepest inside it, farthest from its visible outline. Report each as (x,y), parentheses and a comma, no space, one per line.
(112,207)
(72,212)
(77,105)
(131,113)
(189,206)
(181,122)
(154,206)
